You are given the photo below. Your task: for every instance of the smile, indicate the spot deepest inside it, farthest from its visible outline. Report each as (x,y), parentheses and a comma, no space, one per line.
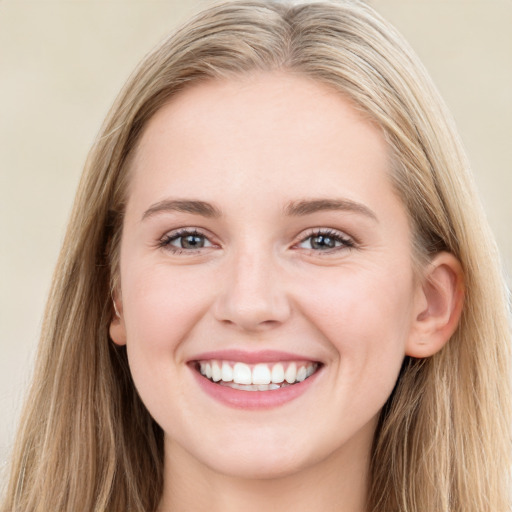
(255,380)
(256,377)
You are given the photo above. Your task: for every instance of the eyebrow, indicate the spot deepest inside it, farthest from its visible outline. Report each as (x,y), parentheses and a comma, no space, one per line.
(309,206)
(183,205)
(293,209)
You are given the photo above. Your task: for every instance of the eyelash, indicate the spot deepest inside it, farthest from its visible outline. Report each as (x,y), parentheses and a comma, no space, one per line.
(338,238)
(166,241)
(344,241)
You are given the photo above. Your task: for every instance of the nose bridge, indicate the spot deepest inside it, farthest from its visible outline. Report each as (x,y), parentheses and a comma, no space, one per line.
(254,294)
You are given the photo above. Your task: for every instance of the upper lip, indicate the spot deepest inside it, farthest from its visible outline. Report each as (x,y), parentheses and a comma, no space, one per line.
(243,356)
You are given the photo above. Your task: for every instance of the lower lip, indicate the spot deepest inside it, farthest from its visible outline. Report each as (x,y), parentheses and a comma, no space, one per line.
(254,399)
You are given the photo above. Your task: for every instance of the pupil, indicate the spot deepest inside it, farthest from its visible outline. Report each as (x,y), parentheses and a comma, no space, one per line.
(322,242)
(192,242)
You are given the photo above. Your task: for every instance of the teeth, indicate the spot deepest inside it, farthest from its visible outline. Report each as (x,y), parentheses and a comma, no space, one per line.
(216,372)
(277,373)
(242,374)
(227,372)
(251,387)
(291,373)
(301,373)
(260,377)
(261,374)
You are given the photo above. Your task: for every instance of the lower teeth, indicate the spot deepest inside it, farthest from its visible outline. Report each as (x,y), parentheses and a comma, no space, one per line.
(253,387)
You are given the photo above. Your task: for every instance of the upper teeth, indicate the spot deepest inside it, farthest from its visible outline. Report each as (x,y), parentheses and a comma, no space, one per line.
(261,373)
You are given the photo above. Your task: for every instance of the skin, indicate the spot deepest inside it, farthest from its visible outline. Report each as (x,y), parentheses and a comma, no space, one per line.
(250,147)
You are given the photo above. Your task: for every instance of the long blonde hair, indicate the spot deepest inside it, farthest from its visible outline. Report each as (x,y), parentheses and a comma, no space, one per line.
(443,444)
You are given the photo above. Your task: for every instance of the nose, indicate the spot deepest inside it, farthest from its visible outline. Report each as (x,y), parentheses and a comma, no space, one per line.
(254,296)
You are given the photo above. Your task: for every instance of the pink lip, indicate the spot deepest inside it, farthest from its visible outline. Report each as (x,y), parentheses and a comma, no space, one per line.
(252,399)
(262,356)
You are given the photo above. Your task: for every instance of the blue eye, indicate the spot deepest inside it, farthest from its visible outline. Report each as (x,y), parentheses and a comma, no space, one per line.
(185,240)
(328,240)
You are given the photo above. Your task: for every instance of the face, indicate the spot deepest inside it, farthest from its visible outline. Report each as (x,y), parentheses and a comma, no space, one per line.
(267,295)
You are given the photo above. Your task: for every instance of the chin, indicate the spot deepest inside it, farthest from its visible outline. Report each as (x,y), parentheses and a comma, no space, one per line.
(261,458)
(258,467)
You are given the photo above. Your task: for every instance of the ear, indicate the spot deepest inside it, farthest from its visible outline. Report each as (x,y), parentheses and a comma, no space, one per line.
(438,306)
(117,328)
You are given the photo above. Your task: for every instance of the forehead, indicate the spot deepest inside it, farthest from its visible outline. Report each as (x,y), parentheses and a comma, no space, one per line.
(285,131)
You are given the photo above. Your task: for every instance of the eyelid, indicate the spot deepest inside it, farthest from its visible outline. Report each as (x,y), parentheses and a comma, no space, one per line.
(164,242)
(347,241)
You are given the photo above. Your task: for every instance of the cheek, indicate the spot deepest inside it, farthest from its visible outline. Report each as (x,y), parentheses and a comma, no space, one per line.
(366,317)
(162,306)
(361,300)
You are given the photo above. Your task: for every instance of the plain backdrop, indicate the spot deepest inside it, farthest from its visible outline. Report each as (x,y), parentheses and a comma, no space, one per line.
(63,62)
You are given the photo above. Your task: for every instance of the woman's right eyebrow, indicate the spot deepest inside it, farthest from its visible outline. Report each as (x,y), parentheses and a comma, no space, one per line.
(183,205)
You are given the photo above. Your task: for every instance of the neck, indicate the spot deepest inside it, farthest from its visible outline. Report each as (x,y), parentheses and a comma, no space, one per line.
(336,484)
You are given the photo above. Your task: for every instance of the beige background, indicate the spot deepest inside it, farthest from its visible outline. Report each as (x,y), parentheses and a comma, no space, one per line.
(61,65)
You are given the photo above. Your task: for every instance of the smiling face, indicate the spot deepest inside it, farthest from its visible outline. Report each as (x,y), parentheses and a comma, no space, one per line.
(263,244)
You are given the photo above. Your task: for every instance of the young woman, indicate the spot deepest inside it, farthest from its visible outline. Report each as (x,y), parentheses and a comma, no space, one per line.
(277,290)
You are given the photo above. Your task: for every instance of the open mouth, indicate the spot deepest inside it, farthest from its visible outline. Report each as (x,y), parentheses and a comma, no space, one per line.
(256,377)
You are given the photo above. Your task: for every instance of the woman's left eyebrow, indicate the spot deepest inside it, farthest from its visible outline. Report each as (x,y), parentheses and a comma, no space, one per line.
(309,206)
(183,205)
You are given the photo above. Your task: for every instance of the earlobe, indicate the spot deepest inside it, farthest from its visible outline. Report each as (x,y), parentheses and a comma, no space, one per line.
(117,328)
(439,306)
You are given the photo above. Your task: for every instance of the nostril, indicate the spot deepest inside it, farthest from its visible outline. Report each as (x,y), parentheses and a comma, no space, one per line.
(253,295)
(256,314)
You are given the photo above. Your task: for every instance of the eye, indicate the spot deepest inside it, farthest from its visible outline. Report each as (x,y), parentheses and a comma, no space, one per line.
(185,240)
(325,241)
